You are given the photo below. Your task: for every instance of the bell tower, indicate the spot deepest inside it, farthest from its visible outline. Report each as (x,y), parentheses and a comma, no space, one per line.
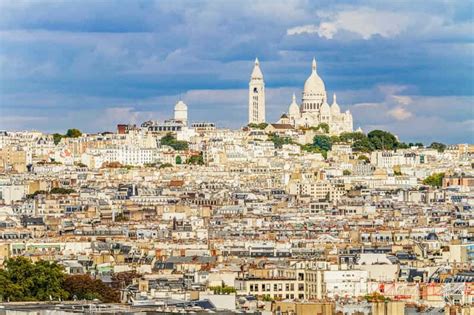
(256,95)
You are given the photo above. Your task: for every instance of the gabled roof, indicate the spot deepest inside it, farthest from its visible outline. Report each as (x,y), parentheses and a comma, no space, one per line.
(282,126)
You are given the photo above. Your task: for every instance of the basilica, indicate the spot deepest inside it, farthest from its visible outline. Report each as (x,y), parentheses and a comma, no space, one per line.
(313,110)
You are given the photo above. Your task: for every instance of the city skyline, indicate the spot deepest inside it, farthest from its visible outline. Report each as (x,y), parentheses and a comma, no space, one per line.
(251,157)
(409,71)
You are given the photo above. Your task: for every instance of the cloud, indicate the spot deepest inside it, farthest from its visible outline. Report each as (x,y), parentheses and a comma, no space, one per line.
(365,22)
(400,113)
(66,63)
(417,117)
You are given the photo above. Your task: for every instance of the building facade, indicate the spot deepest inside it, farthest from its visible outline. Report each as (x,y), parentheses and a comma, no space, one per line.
(314,108)
(256,95)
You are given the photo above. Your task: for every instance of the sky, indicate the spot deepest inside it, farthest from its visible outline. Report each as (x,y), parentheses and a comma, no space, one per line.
(401,66)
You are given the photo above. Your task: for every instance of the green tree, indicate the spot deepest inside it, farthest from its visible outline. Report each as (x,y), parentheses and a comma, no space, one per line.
(57,138)
(260,126)
(350,137)
(22,280)
(322,142)
(223,289)
(382,140)
(363,145)
(324,127)
(363,158)
(434,180)
(279,141)
(166,165)
(346,172)
(178,160)
(171,141)
(73,133)
(196,159)
(62,191)
(438,146)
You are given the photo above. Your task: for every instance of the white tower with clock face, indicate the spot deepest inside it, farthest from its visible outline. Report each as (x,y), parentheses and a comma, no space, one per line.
(256,96)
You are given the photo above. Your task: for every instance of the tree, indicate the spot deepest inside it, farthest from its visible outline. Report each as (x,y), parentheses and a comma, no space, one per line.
(120,280)
(363,145)
(73,133)
(351,136)
(322,142)
(346,172)
(22,280)
(363,158)
(402,145)
(196,159)
(324,127)
(62,191)
(382,140)
(223,289)
(279,141)
(83,287)
(438,146)
(165,165)
(38,192)
(434,180)
(178,160)
(171,141)
(260,126)
(57,138)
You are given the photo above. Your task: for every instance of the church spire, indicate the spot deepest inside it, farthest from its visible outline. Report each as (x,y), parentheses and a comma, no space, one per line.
(334,98)
(294,98)
(257,73)
(313,66)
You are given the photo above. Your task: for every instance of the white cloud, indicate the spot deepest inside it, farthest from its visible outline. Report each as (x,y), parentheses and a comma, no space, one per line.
(367,22)
(400,113)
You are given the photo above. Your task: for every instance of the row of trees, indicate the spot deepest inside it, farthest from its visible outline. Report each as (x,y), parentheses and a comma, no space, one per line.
(70,133)
(53,191)
(360,142)
(171,141)
(260,126)
(193,160)
(434,180)
(23,280)
(374,140)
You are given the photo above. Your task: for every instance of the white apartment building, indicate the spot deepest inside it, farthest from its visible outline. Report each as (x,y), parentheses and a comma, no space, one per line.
(389,159)
(126,155)
(342,283)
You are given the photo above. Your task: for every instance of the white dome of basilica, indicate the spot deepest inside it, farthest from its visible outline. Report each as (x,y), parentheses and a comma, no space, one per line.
(294,109)
(314,85)
(181,106)
(325,109)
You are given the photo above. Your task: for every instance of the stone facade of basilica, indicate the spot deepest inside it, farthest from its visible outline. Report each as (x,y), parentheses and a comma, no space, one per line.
(313,110)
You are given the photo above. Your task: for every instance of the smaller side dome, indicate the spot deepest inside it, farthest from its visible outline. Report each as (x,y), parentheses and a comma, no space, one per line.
(335,109)
(325,109)
(294,109)
(180,106)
